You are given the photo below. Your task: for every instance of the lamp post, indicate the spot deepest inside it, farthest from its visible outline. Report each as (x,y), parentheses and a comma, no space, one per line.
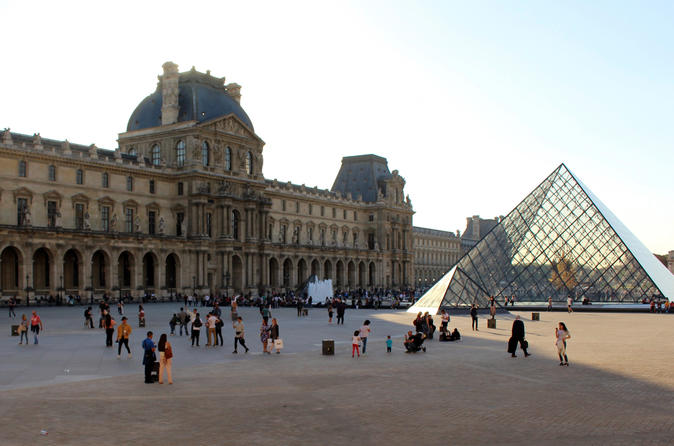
(27,292)
(61,289)
(194,284)
(227,277)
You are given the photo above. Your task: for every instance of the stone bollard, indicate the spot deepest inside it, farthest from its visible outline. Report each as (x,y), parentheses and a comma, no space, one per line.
(328,347)
(535,316)
(491,323)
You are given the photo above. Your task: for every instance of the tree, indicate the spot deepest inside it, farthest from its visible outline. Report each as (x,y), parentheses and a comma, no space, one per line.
(563,274)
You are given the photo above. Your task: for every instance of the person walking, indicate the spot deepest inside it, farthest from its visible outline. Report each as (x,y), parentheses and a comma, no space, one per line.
(364,333)
(35,326)
(183,319)
(300,304)
(218,331)
(274,336)
(123,333)
(264,334)
(569,303)
(88,318)
(23,329)
(239,334)
(518,336)
(473,316)
(165,359)
(109,324)
(549,303)
(561,335)
(341,309)
(148,357)
(389,344)
(196,328)
(172,324)
(120,308)
(355,343)
(330,311)
(12,304)
(141,316)
(211,320)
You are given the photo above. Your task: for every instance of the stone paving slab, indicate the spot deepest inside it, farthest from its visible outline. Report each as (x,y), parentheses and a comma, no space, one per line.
(619,389)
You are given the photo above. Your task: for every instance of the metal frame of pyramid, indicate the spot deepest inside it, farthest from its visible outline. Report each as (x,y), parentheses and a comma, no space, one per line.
(560,241)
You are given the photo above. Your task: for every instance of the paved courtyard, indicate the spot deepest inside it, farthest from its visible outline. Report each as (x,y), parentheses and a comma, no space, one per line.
(619,388)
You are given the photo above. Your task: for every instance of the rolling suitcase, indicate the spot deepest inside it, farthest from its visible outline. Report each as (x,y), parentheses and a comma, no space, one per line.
(512,345)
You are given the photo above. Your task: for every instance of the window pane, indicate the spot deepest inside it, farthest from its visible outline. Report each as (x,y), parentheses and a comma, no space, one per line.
(180,154)
(156,155)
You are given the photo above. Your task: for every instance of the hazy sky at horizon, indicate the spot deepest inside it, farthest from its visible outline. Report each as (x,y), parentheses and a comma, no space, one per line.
(473,102)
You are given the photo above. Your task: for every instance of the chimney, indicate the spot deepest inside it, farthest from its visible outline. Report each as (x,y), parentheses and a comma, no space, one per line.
(476,227)
(234,90)
(169,94)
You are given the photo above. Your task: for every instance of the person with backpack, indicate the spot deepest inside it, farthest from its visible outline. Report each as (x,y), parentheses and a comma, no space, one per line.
(88,318)
(196,328)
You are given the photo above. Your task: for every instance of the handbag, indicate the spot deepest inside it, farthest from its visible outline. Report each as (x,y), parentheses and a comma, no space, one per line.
(525,344)
(168,352)
(278,343)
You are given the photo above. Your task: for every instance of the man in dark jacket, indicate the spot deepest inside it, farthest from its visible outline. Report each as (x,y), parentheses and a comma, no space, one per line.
(341,308)
(518,336)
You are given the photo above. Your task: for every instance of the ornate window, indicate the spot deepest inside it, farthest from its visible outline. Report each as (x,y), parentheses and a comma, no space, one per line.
(105,218)
(180,188)
(128,222)
(52,210)
(228,158)
(152,187)
(21,206)
(52,173)
(156,155)
(249,163)
(180,153)
(205,154)
(79,216)
(151,222)
(22,168)
(105,180)
(129,184)
(132,151)
(79,176)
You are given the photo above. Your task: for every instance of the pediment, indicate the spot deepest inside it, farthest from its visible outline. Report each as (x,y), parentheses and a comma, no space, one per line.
(106,201)
(23,192)
(130,203)
(52,195)
(231,124)
(79,198)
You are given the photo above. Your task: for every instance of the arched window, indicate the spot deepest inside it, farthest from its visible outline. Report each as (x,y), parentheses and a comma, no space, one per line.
(156,155)
(205,154)
(132,151)
(79,176)
(228,158)
(52,173)
(249,163)
(180,154)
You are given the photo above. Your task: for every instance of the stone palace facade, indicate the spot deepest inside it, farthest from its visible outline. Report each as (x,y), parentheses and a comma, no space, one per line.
(181,206)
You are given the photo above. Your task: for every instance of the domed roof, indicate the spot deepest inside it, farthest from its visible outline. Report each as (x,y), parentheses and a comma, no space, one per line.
(201,98)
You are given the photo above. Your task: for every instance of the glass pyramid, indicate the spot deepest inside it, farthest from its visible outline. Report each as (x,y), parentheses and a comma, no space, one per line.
(560,241)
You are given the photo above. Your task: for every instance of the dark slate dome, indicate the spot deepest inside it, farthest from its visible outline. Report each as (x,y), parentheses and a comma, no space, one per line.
(201,98)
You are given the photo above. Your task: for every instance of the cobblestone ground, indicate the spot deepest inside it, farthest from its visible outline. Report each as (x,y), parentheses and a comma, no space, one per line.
(619,388)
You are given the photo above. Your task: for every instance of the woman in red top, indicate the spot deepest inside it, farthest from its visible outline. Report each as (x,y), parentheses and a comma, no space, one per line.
(36,325)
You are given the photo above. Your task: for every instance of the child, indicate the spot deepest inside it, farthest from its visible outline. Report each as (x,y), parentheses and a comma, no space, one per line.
(389,344)
(355,343)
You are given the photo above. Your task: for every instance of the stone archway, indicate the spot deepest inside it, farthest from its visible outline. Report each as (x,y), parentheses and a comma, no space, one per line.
(327,270)
(372,277)
(11,269)
(125,268)
(362,276)
(316,268)
(100,269)
(150,269)
(237,274)
(171,268)
(287,273)
(72,270)
(273,272)
(351,275)
(42,280)
(339,277)
(301,272)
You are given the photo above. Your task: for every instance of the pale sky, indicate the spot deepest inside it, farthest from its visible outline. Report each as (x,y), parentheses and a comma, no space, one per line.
(473,102)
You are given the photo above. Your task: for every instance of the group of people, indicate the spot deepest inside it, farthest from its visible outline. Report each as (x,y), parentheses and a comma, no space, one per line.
(35,325)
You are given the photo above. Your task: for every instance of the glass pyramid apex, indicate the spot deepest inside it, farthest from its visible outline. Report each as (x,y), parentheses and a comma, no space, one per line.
(560,241)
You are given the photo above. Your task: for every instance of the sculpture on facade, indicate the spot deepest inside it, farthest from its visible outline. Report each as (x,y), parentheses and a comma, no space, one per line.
(137,223)
(296,235)
(183,228)
(57,220)
(162,226)
(223,187)
(26,217)
(113,223)
(87,223)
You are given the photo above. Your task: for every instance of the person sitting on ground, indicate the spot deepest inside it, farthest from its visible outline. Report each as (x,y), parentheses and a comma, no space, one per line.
(414,343)
(455,336)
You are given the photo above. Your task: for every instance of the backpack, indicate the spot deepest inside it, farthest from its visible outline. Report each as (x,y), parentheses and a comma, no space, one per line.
(197,322)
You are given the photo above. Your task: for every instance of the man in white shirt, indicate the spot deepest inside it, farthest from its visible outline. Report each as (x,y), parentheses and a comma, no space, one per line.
(210,324)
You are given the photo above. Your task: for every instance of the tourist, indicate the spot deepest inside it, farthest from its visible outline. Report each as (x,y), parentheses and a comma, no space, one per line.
(341,309)
(364,333)
(148,357)
(211,320)
(300,304)
(512,300)
(88,318)
(264,334)
(196,327)
(235,314)
(418,323)
(120,307)
(330,311)
(473,316)
(123,333)
(445,321)
(183,319)
(141,316)
(561,335)
(11,304)
(274,337)
(172,324)
(549,303)
(109,324)
(389,344)
(165,355)
(36,326)
(355,344)
(23,329)
(429,326)
(518,336)
(569,303)
(218,330)
(239,334)
(414,342)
